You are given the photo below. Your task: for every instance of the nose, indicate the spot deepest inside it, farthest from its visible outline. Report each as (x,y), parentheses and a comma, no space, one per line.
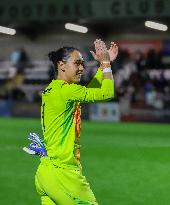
(81,67)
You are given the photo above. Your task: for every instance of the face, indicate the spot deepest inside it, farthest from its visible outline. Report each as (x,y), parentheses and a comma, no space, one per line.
(74,67)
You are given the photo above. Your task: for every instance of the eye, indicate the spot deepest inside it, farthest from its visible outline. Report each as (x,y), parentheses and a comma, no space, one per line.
(79,62)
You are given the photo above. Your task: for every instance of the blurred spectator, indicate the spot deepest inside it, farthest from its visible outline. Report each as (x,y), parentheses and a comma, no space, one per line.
(13,89)
(151,59)
(140,60)
(160,64)
(149,92)
(19,59)
(154,60)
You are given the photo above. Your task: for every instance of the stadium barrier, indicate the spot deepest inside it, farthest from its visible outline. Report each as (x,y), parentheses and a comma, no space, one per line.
(105,112)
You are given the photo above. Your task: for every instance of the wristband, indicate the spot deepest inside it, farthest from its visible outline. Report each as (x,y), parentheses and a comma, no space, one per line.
(107,70)
(105,64)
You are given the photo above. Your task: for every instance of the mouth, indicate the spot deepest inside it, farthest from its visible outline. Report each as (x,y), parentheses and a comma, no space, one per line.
(79,74)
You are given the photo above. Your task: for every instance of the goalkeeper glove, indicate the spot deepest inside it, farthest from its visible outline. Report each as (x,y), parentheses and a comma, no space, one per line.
(36,147)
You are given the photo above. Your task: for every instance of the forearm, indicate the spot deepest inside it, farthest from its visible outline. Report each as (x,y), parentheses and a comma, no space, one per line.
(104,93)
(106,69)
(96,81)
(108,75)
(106,90)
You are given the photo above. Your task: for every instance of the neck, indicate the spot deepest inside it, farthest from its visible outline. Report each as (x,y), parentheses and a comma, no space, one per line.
(62,77)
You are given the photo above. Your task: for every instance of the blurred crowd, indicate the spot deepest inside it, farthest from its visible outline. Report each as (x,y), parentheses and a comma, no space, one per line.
(142,79)
(11,87)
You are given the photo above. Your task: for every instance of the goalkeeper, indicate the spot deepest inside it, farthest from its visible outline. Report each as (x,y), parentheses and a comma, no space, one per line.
(59,179)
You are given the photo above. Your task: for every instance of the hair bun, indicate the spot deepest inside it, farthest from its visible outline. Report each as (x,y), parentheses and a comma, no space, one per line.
(52,55)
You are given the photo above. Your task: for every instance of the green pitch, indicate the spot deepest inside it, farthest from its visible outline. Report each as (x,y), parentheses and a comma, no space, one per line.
(126,164)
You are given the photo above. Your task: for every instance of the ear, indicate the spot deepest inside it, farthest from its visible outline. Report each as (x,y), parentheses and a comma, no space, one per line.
(61,66)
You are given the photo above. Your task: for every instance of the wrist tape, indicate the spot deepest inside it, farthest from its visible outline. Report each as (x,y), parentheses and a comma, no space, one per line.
(107,70)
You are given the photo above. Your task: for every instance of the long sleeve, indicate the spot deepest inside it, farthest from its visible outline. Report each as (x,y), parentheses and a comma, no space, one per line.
(74,92)
(96,81)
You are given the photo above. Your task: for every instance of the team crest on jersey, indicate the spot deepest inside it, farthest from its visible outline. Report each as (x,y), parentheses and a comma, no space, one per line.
(47,90)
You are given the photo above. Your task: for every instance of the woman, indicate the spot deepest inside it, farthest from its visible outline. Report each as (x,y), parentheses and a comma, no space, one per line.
(59,178)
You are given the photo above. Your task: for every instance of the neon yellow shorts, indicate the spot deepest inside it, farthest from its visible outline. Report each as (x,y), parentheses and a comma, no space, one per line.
(62,186)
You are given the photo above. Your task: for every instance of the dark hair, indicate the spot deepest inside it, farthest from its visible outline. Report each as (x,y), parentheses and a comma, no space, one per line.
(61,54)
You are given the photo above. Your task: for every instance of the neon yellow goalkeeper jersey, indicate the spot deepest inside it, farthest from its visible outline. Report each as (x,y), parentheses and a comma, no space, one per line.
(60,115)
